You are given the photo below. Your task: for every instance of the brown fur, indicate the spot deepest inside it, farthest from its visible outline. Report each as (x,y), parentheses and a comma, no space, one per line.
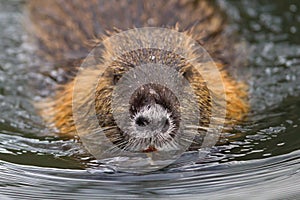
(63,30)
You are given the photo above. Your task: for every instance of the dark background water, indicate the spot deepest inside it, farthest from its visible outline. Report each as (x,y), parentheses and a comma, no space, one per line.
(260,159)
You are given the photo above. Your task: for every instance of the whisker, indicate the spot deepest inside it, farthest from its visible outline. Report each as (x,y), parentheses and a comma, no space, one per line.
(187,140)
(105,128)
(197,127)
(118,146)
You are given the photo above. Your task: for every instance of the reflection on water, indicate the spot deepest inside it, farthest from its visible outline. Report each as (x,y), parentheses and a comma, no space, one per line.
(258,159)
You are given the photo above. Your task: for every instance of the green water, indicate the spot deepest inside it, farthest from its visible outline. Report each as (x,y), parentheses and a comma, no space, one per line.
(259,159)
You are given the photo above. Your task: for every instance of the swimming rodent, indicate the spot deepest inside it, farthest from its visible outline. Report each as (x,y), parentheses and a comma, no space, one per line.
(64,30)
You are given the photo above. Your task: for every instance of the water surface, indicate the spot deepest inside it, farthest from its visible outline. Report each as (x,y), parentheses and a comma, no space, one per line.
(259,159)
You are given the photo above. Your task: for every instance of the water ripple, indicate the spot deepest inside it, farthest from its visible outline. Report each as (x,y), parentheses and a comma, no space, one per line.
(257,160)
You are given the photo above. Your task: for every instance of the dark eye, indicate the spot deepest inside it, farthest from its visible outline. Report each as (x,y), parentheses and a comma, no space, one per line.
(116,78)
(142,121)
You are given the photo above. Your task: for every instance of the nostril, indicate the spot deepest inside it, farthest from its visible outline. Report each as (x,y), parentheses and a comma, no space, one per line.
(142,121)
(166,125)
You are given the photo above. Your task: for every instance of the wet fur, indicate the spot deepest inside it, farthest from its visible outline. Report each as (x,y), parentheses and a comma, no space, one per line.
(65,30)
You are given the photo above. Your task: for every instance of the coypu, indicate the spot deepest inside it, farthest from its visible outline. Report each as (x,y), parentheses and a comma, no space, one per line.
(66,31)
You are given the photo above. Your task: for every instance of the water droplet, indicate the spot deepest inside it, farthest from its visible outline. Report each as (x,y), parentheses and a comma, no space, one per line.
(280,144)
(293,29)
(267,154)
(293,8)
